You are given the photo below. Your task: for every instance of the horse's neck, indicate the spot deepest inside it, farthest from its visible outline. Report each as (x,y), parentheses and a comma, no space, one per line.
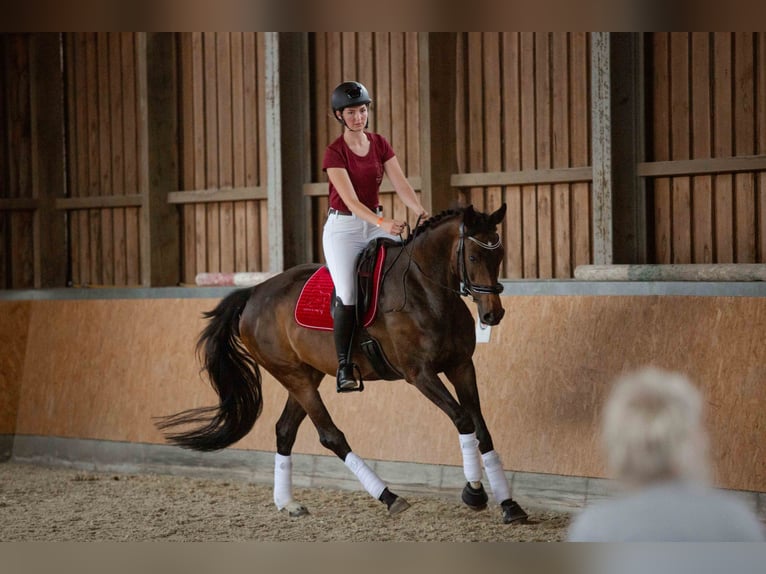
(433,253)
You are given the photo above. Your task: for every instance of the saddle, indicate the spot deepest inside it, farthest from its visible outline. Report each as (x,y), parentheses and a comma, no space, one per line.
(313,310)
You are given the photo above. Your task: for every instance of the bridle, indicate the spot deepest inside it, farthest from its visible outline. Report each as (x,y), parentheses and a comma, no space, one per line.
(468,287)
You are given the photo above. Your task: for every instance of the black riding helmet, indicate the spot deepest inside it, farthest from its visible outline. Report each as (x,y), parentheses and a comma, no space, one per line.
(348,94)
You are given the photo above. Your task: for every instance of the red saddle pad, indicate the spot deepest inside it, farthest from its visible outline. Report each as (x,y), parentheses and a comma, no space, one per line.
(312,309)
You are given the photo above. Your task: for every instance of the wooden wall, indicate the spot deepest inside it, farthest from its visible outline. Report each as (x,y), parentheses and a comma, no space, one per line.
(105,138)
(706,120)
(16,245)
(223,142)
(523,117)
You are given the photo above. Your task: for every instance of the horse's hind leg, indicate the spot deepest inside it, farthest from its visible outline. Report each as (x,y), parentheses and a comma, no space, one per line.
(286,430)
(332,438)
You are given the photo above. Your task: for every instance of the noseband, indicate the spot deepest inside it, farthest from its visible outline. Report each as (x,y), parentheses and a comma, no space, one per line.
(468,287)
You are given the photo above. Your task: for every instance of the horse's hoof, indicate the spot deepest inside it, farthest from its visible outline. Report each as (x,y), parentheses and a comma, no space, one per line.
(398,506)
(296,510)
(512,512)
(475,498)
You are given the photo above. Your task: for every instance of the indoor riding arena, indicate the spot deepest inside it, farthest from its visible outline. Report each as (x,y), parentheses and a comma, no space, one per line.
(145,176)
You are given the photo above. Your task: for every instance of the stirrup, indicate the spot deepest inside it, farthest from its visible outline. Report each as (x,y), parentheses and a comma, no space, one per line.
(349,385)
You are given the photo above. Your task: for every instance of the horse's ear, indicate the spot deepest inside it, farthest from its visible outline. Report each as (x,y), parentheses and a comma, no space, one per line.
(498,216)
(469,215)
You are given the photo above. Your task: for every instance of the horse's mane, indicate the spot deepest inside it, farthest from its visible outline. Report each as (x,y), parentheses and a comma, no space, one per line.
(480,221)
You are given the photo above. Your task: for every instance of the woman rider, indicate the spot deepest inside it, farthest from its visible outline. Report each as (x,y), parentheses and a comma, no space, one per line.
(355,164)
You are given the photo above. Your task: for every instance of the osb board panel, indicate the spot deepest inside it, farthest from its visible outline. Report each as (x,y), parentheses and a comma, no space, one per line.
(14,323)
(103,369)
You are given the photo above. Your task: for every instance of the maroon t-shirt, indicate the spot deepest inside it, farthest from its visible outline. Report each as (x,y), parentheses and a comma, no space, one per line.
(366,172)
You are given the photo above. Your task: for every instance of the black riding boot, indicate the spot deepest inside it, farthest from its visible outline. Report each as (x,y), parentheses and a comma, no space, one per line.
(344,317)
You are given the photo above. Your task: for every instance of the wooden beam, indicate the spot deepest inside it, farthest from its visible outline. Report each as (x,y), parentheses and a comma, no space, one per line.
(601,140)
(320,189)
(523,177)
(702,166)
(273,152)
(217,195)
(98,202)
(19,204)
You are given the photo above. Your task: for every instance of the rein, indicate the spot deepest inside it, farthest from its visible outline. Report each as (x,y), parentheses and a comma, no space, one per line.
(468,287)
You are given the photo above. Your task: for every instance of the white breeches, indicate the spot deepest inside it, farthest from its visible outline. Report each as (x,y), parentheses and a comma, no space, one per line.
(344,238)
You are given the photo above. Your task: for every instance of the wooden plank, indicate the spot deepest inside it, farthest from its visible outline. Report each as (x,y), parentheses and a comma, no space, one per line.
(661,146)
(714,165)
(22,262)
(492,104)
(365,74)
(744,143)
(398,111)
(475,116)
(382,103)
(225,149)
(680,132)
(238,143)
(412,106)
(579,62)
(322,112)
(702,186)
(186,131)
(98,202)
(528,154)
(513,266)
(73,155)
(264,229)
(212,211)
(529,235)
(105,148)
(348,56)
(562,267)
(251,147)
(723,145)
(197,71)
(543,117)
(130,150)
(760,113)
(461,108)
(510,101)
(132,246)
(263,144)
(83,150)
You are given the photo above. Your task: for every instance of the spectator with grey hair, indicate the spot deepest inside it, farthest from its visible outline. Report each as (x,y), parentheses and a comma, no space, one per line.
(656,447)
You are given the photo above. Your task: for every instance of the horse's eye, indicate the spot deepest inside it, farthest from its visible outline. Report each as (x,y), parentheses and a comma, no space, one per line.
(472,258)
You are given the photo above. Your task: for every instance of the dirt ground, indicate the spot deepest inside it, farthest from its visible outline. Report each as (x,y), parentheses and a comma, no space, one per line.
(59,504)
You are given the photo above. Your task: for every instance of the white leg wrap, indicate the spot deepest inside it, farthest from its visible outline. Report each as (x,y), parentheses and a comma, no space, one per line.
(283,480)
(469,445)
(366,475)
(498,482)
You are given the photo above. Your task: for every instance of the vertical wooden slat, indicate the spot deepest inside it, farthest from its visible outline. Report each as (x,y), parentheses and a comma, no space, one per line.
(512,228)
(761,139)
(560,136)
(348,56)
(398,115)
(200,164)
(528,153)
(543,117)
(105,139)
(5,144)
(744,144)
(94,172)
(723,146)
(322,103)
(461,108)
(580,147)
(679,117)
(382,105)
(492,114)
(661,147)
(366,72)
(238,143)
(212,210)
(702,186)
(187,154)
(116,103)
(130,135)
(412,106)
(225,149)
(252,148)
(475,116)
(83,154)
(262,146)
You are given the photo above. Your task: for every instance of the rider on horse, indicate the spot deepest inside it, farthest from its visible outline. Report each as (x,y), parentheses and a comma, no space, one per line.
(355,163)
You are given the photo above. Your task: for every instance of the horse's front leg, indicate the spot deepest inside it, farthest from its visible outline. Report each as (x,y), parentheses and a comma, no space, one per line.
(464,379)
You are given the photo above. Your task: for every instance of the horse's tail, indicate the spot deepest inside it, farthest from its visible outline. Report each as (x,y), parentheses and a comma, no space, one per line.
(234,375)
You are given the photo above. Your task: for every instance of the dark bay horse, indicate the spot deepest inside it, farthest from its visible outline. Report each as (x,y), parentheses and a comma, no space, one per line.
(422,324)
